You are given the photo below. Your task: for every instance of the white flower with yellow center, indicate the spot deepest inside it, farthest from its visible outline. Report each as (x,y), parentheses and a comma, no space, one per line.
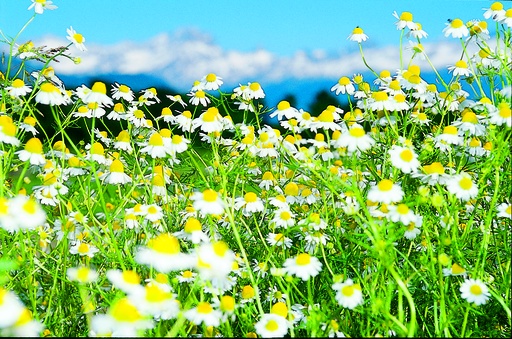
(198,97)
(122,92)
(33,152)
(462,186)
(82,274)
(18,88)
(249,203)
(456,29)
(504,210)
(98,94)
(354,140)
(358,35)
(284,110)
(348,294)
(344,86)
(155,299)
(208,202)
(40,5)
(10,308)
(502,115)
(211,82)
(49,94)
(386,191)
(209,121)
(83,249)
(116,175)
(156,147)
(404,158)
(76,38)
(27,212)
(164,254)
(271,325)
(205,314)
(475,291)
(303,266)
(404,20)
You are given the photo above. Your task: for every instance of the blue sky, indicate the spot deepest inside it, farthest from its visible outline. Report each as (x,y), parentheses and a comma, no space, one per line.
(241,41)
(281,26)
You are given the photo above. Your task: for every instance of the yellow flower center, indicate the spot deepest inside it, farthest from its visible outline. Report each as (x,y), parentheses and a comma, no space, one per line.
(123,136)
(394,85)
(199,94)
(406,155)
(211,77)
(303,259)
(435,167)
(211,114)
(204,308)
(116,166)
(326,116)
(220,248)
(83,273)
(504,110)
(357,132)
(99,87)
(165,243)
(78,38)
(283,105)
(475,290)
(497,6)
(254,86)
(385,185)
(380,96)
(457,23)
(279,308)
(227,303)
(48,87)
(131,277)
(348,290)
(461,64)
(291,189)
(457,269)
(465,183)
(156,139)
(125,311)
(248,292)
(271,325)
(451,130)
(470,117)
(210,195)
(34,146)
(18,83)
(30,206)
(250,197)
(156,294)
(402,209)
(406,16)
(192,225)
(358,30)
(344,81)
(97,148)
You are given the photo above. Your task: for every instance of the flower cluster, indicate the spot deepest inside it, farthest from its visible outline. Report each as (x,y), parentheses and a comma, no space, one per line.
(184,220)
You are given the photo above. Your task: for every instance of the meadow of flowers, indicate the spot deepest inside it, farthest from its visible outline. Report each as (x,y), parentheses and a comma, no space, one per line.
(392,218)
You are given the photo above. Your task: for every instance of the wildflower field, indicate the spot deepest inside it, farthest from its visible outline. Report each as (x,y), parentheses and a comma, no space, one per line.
(390,218)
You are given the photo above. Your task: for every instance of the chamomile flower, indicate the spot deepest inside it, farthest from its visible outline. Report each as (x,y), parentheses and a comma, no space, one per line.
(156,147)
(413,229)
(303,266)
(250,203)
(502,115)
(208,202)
(358,35)
(278,240)
(27,212)
(284,110)
(271,325)
(495,11)
(83,249)
(418,32)
(123,316)
(454,270)
(76,38)
(475,291)
(354,140)
(164,254)
(49,94)
(386,191)
(155,299)
(205,314)
(40,5)
(199,97)
(284,218)
(214,261)
(462,186)
(122,92)
(404,20)
(460,69)
(211,82)
(192,231)
(456,29)
(404,158)
(116,175)
(33,152)
(209,121)
(18,88)
(98,94)
(449,136)
(348,294)
(344,86)
(401,213)
(82,274)
(504,210)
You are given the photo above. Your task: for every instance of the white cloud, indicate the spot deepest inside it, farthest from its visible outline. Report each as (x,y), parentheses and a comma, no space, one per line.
(187,55)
